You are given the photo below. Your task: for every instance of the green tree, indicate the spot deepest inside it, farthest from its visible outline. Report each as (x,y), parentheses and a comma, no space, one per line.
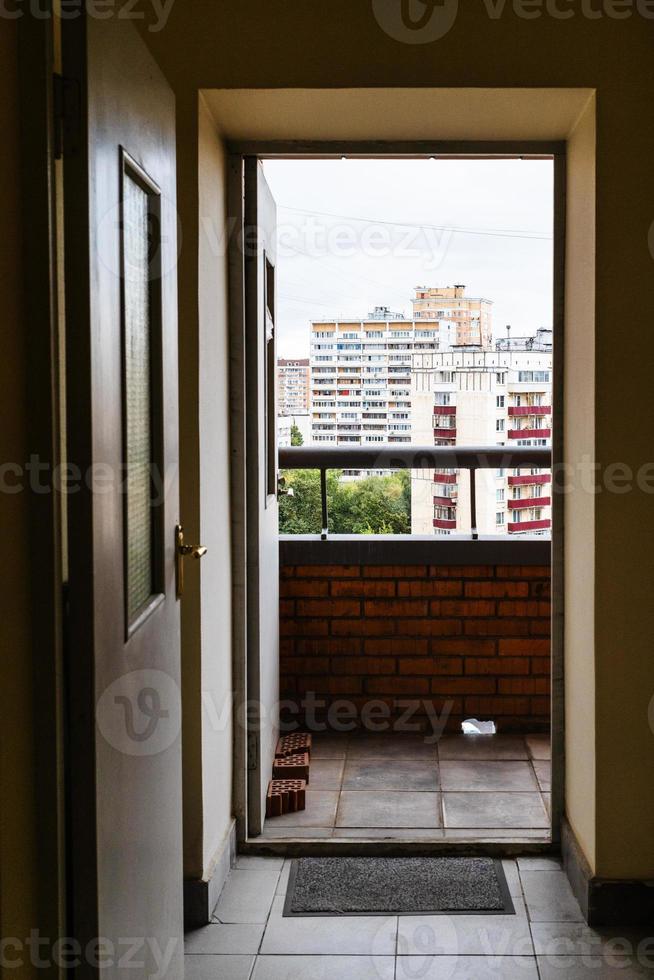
(296,436)
(372,505)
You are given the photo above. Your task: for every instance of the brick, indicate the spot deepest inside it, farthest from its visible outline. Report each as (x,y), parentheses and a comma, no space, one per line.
(463,685)
(432,627)
(540,706)
(540,590)
(307,627)
(287,608)
(523,571)
(328,607)
(496,590)
(363,588)
(398,608)
(430,587)
(286,646)
(496,705)
(520,608)
(397,645)
(363,627)
(494,627)
(397,685)
(541,665)
(523,647)
(308,646)
(523,685)
(363,665)
(299,665)
(462,607)
(395,571)
(286,571)
(303,587)
(285,796)
(430,665)
(540,627)
(469,646)
(345,685)
(292,766)
(292,743)
(496,665)
(327,571)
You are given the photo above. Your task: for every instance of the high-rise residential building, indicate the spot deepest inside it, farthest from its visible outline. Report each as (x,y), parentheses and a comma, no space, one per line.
(361,375)
(293,389)
(494,397)
(470,314)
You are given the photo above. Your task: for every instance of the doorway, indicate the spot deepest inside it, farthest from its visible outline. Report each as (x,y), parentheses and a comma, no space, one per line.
(400,586)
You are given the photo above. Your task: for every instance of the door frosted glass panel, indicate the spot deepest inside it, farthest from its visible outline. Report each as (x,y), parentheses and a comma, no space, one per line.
(138,397)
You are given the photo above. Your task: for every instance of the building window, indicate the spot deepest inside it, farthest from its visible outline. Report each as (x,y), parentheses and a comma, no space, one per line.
(499,495)
(499,425)
(499,517)
(499,401)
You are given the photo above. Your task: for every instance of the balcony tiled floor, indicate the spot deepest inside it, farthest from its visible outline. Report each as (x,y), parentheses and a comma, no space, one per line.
(546,937)
(481,787)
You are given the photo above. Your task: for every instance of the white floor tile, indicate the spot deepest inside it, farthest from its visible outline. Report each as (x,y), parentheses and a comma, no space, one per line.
(356,935)
(246,897)
(549,897)
(324,968)
(226,939)
(217,967)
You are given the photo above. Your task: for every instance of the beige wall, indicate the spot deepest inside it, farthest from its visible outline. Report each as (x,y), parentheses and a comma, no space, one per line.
(204,489)
(18,911)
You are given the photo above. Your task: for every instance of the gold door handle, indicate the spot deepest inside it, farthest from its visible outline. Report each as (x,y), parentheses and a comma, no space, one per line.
(183,551)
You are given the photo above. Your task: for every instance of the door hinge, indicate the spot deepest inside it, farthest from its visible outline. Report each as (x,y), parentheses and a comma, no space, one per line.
(253,751)
(67,115)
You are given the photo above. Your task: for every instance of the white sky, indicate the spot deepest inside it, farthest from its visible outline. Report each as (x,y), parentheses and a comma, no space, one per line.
(329,266)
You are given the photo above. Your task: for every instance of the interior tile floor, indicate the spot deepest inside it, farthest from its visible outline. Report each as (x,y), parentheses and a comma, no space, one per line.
(546,938)
(476,787)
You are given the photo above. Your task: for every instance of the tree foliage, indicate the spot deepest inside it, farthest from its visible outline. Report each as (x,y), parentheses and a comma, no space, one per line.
(371,505)
(296,436)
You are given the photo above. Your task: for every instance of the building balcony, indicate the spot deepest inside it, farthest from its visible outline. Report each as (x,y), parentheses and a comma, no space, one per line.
(444,477)
(445,432)
(519,503)
(442,501)
(524,527)
(530,410)
(529,478)
(444,410)
(529,433)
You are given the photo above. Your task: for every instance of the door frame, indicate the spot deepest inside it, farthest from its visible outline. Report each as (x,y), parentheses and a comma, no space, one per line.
(242,658)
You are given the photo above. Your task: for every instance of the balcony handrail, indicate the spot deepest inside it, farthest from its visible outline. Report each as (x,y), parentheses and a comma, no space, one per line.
(389,457)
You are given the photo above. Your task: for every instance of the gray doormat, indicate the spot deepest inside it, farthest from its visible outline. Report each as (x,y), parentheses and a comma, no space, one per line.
(398,886)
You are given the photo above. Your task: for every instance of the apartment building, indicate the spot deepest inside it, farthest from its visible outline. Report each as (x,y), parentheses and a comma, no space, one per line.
(361,375)
(471,397)
(470,315)
(293,389)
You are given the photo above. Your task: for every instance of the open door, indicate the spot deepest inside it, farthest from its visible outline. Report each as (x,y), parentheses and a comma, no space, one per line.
(123,644)
(261,477)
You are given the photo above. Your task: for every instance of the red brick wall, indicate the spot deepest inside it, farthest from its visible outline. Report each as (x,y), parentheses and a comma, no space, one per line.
(476,638)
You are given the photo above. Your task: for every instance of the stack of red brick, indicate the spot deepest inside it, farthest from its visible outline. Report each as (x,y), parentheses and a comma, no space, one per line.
(471,640)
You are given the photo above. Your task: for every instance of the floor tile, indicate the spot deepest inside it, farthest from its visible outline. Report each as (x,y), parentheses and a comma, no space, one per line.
(539,746)
(326,773)
(539,864)
(328,746)
(377,774)
(351,935)
(603,945)
(388,833)
(549,897)
(471,747)
(540,834)
(464,935)
(390,746)
(221,938)
(320,811)
(324,968)
(217,967)
(273,832)
(387,809)
(246,897)
(508,777)
(253,862)
(543,770)
(577,968)
(282,884)
(466,968)
(488,810)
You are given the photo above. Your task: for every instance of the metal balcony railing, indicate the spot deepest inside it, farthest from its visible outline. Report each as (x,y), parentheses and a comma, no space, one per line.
(394,457)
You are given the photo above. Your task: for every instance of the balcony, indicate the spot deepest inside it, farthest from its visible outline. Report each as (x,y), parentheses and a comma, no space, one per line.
(445,432)
(379,632)
(530,410)
(528,478)
(444,410)
(529,433)
(525,527)
(518,503)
